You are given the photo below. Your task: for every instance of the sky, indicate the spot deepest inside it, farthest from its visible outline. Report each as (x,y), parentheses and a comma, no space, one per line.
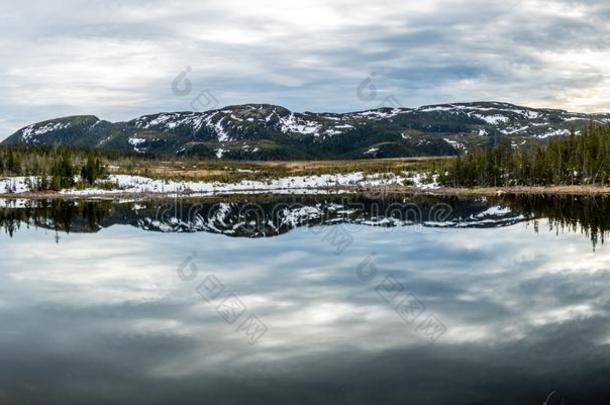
(121,59)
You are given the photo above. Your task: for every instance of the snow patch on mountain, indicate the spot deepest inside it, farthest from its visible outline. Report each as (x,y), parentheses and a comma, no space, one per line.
(435,108)
(554,132)
(379,113)
(136,142)
(294,124)
(492,119)
(513,130)
(31,132)
(455,144)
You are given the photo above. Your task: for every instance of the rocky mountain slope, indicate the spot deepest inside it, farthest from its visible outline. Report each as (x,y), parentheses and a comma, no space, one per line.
(262,131)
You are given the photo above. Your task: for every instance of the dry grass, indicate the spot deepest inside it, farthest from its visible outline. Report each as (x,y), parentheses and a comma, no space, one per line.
(211,170)
(351,164)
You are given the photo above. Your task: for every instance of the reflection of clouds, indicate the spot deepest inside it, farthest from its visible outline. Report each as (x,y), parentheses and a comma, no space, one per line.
(564,314)
(115,297)
(512,285)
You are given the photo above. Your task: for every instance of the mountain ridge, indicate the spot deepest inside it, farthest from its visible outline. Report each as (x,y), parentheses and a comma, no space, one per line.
(267,131)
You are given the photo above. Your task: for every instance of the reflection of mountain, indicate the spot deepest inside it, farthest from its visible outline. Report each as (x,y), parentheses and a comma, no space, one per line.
(275,215)
(260,217)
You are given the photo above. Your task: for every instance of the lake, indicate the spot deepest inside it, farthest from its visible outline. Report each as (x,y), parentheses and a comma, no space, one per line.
(360,299)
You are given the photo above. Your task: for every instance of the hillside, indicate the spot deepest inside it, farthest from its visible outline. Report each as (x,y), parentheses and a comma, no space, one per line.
(268,132)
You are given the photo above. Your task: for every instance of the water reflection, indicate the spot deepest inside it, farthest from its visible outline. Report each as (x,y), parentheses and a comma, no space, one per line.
(272,215)
(586,214)
(104,317)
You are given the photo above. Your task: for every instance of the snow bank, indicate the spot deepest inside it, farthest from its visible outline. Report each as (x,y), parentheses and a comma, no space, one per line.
(139,184)
(293,184)
(16,184)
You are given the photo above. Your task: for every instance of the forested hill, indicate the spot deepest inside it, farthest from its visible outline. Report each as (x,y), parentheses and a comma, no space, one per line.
(262,131)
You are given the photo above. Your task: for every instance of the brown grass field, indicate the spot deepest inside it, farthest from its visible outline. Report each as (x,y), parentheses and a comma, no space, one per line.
(212,170)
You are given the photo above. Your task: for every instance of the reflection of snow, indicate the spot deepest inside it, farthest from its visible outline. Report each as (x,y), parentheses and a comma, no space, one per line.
(497,210)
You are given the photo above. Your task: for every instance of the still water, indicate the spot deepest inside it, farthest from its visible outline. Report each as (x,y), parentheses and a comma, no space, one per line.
(305,300)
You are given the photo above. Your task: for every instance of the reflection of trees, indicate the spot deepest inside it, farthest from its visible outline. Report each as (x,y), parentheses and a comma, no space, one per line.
(262,216)
(64,216)
(274,215)
(585,214)
(10,220)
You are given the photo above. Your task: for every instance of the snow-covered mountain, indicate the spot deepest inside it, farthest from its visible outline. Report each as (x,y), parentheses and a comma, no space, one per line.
(263,131)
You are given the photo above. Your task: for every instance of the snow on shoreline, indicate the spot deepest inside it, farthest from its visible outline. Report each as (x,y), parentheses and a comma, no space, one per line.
(128,184)
(16,185)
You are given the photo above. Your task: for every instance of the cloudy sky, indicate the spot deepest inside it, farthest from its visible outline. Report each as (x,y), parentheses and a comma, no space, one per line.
(120,59)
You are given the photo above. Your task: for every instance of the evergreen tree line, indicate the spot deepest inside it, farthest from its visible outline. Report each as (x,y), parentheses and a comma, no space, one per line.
(567,160)
(55,167)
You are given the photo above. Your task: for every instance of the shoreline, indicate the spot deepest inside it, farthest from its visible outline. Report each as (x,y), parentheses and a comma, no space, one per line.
(331,190)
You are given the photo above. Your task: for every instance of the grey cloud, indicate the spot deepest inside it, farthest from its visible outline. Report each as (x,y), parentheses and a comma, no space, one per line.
(116,59)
